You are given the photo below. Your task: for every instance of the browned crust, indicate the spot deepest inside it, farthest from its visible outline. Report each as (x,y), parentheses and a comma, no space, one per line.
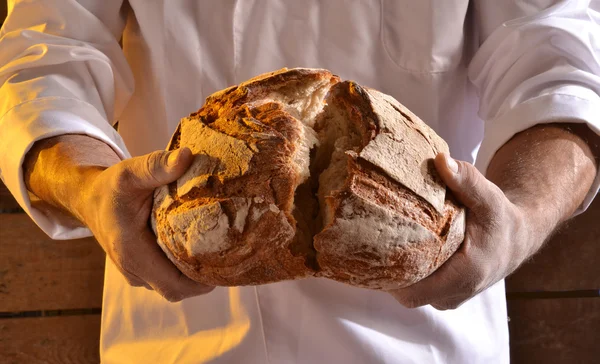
(407,264)
(367,184)
(261,253)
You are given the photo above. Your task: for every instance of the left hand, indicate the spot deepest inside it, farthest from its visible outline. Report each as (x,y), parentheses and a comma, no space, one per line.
(499,236)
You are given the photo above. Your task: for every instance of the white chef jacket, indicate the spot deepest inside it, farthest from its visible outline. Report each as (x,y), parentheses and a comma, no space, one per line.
(477,72)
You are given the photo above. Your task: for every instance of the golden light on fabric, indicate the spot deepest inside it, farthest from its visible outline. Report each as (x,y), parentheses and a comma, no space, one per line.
(198,347)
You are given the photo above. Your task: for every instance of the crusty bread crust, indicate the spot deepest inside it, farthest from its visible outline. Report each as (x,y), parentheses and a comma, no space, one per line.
(246,212)
(229,219)
(391,224)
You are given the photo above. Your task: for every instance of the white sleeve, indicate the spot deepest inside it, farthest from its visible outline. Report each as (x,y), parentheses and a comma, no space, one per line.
(539,62)
(62,71)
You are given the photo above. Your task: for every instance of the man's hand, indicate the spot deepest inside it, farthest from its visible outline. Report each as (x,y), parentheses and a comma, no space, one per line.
(534,182)
(116,208)
(499,236)
(114,199)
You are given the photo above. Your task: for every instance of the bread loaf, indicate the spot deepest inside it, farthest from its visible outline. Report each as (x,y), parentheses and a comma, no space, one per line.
(297,173)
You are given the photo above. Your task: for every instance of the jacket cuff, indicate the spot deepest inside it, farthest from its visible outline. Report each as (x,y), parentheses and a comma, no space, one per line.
(42,118)
(584,107)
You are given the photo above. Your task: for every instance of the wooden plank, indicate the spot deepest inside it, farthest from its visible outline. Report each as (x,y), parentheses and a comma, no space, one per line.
(3,10)
(50,340)
(7,201)
(555,330)
(568,262)
(38,273)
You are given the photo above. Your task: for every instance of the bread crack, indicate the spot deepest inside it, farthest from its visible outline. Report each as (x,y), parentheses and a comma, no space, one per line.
(338,136)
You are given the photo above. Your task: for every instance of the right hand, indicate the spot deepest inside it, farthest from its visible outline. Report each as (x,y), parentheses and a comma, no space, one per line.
(116,206)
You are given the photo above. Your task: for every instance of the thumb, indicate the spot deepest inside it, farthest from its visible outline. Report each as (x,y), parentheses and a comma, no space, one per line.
(158,168)
(467,184)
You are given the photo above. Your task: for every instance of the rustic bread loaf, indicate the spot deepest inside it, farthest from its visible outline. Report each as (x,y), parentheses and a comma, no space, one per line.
(296,174)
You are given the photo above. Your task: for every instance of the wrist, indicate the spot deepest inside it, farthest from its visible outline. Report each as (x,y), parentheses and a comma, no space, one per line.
(61,170)
(545,171)
(538,219)
(80,199)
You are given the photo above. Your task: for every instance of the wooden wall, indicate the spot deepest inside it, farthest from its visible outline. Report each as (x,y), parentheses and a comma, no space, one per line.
(554,300)
(51,295)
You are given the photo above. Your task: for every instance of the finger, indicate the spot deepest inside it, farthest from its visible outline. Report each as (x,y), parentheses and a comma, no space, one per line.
(467,184)
(456,279)
(132,279)
(449,304)
(156,169)
(164,277)
(135,281)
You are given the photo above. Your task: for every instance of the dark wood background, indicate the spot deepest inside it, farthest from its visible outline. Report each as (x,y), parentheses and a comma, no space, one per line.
(51,294)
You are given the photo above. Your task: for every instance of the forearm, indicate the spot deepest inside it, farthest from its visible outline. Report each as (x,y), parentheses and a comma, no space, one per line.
(57,169)
(547,170)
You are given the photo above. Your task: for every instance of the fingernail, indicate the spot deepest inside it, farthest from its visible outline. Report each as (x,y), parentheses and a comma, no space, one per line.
(451,164)
(173,157)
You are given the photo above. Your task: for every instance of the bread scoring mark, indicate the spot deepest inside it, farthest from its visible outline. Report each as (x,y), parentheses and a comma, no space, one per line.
(201,229)
(257,213)
(403,161)
(216,154)
(242,206)
(372,183)
(363,265)
(366,227)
